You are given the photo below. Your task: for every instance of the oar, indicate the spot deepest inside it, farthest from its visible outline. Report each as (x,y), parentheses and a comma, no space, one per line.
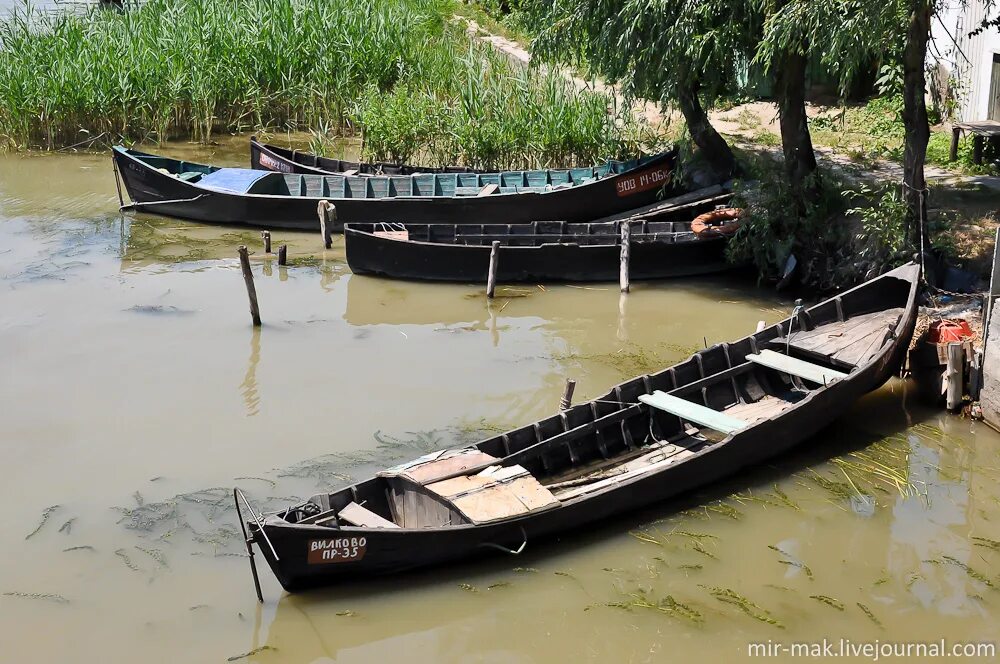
(138,206)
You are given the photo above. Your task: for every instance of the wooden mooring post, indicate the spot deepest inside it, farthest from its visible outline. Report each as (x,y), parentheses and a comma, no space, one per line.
(954,378)
(567,398)
(491,276)
(626,229)
(327,212)
(251,290)
(283,255)
(266,237)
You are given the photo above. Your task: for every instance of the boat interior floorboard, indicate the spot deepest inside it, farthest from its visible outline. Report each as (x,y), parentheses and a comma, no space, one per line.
(766,408)
(847,343)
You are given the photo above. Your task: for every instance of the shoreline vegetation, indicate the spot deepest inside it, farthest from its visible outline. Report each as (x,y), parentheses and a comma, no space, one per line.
(395,71)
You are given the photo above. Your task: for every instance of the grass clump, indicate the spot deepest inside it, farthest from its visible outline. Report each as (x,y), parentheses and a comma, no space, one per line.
(414,84)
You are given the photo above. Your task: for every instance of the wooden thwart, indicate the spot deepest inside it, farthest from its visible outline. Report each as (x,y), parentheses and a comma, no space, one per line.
(796,367)
(359,516)
(692,412)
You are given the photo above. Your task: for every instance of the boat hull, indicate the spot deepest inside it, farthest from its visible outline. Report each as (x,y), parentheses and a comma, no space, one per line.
(388,551)
(165,194)
(371,254)
(266,157)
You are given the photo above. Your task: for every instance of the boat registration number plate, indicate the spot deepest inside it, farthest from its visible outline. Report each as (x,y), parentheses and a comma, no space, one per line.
(654,177)
(269,162)
(336,550)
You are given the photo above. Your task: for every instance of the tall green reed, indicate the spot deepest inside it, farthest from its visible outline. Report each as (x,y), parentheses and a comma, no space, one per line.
(415,84)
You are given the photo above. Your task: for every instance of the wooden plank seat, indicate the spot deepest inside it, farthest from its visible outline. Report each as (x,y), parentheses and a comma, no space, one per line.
(357,515)
(692,412)
(796,367)
(499,492)
(438,465)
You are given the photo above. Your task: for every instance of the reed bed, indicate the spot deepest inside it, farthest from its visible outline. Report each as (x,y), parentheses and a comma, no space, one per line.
(396,70)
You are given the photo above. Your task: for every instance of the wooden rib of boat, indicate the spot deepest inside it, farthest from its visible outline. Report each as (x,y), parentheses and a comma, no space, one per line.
(267,157)
(288,201)
(543,251)
(646,440)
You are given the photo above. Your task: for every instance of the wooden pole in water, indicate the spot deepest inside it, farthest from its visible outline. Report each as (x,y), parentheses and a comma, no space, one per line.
(491,277)
(251,290)
(283,255)
(567,399)
(266,237)
(953,373)
(623,271)
(327,212)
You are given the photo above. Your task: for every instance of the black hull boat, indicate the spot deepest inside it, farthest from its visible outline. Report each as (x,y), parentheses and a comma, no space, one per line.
(266,157)
(650,438)
(289,201)
(543,251)
(538,252)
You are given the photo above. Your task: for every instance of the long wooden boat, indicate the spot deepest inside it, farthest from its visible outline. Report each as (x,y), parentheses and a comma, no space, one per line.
(289,201)
(267,157)
(543,251)
(648,439)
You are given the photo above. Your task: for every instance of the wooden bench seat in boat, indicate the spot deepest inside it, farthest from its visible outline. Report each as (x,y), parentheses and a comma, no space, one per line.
(795,367)
(692,412)
(499,492)
(357,515)
(436,465)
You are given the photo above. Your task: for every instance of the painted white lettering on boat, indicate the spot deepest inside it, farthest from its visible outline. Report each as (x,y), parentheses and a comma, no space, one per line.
(267,161)
(655,177)
(337,550)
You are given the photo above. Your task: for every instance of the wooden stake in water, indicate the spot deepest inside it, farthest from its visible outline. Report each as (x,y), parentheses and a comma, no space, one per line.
(266,237)
(251,290)
(623,270)
(327,212)
(491,276)
(567,399)
(283,255)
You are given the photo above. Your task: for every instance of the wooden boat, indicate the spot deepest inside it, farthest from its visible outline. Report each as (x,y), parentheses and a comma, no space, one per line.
(289,201)
(266,157)
(648,439)
(543,251)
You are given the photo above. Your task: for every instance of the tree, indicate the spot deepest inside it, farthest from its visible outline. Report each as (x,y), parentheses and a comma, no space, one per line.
(686,52)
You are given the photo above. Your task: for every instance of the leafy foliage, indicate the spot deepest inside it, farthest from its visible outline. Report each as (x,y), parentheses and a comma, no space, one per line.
(771,232)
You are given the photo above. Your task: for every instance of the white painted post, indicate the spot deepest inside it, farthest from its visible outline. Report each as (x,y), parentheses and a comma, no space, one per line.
(491,277)
(626,229)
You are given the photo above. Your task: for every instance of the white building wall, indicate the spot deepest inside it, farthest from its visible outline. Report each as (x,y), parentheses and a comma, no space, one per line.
(969,60)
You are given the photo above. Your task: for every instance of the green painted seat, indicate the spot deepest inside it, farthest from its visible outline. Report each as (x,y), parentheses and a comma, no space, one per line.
(796,367)
(692,412)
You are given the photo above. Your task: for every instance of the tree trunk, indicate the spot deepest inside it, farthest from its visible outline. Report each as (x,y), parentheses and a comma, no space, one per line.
(915,122)
(796,143)
(710,143)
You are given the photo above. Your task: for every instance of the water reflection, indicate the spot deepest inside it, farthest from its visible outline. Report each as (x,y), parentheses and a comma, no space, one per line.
(248,388)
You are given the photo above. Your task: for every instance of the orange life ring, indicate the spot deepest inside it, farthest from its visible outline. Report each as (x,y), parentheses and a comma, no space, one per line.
(724,222)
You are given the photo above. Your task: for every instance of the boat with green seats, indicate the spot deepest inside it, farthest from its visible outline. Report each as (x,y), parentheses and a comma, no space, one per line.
(272,200)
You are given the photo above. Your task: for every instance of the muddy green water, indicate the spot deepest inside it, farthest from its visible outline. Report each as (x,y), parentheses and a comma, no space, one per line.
(134,394)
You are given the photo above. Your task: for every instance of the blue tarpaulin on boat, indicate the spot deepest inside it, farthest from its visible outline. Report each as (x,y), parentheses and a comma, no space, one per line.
(232,179)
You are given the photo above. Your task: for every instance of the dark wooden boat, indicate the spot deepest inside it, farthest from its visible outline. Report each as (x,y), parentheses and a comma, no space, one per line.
(289,201)
(648,439)
(542,251)
(267,157)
